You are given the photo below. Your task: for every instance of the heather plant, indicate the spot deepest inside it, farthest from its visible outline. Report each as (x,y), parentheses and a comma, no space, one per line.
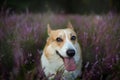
(23,36)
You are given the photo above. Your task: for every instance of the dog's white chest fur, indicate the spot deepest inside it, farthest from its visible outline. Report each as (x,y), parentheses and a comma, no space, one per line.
(62,53)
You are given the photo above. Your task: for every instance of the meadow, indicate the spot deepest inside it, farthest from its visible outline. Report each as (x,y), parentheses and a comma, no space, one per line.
(23,36)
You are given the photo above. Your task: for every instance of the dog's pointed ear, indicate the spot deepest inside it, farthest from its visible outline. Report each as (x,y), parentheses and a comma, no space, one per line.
(70,25)
(49,29)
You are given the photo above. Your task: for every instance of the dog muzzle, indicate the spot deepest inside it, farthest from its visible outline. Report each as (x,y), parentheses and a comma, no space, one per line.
(69,62)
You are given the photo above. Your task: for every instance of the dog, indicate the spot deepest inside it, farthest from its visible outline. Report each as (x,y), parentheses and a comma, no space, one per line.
(62,53)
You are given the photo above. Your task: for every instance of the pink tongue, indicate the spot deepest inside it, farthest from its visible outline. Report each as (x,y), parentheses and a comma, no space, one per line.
(69,64)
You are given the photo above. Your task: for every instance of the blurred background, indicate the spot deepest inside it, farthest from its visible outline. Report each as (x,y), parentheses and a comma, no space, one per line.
(23,34)
(62,6)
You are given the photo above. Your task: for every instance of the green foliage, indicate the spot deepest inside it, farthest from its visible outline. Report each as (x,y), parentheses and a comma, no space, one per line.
(6,54)
(67,6)
(29,45)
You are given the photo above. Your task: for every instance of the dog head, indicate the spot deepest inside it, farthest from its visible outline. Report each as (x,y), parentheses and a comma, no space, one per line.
(65,46)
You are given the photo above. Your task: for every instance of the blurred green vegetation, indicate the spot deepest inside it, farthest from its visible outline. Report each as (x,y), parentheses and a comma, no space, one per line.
(62,6)
(6,55)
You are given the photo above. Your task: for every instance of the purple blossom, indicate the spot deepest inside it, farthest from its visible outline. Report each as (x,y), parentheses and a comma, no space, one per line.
(99,37)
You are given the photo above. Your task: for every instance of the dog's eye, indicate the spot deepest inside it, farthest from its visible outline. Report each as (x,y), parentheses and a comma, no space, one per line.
(73,38)
(59,39)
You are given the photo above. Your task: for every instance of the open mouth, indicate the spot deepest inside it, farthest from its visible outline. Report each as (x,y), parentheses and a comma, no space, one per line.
(69,62)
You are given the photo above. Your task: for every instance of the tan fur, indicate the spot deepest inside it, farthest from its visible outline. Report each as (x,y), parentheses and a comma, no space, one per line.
(51,61)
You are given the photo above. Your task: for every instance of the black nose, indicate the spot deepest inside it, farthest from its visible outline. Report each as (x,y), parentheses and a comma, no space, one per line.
(70,52)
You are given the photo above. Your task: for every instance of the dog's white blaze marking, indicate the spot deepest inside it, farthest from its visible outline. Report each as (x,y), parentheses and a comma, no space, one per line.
(68,45)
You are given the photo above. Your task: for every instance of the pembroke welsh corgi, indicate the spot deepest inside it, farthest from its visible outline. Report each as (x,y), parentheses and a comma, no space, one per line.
(62,52)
